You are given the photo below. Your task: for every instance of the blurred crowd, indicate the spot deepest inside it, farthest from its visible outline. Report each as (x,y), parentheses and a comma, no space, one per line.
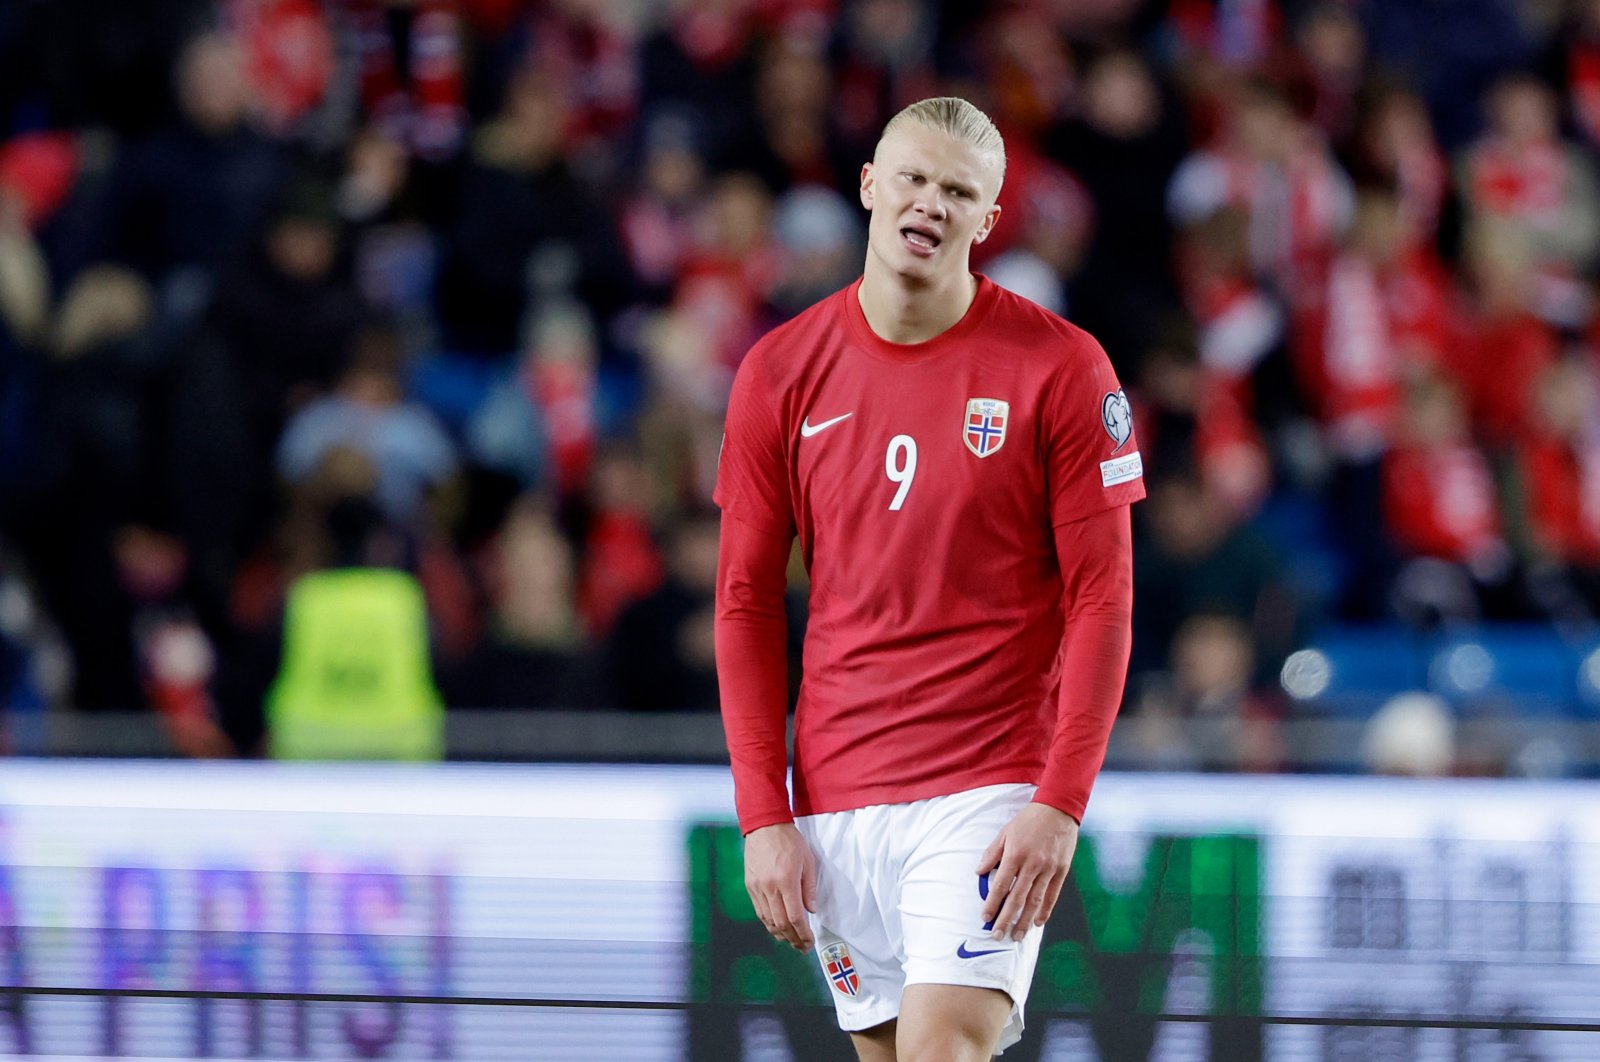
(460,285)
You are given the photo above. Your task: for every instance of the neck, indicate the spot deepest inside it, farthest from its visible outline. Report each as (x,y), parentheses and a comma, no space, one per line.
(901,312)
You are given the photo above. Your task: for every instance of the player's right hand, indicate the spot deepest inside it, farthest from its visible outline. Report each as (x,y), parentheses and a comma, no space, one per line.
(781,874)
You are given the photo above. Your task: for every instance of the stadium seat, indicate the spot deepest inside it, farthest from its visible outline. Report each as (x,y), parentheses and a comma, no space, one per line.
(1366,666)
(1521,669)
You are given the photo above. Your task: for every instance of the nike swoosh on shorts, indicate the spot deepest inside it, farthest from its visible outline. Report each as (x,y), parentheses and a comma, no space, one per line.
(963,953)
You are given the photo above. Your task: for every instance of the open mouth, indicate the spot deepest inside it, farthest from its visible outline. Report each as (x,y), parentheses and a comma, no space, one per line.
(920,240)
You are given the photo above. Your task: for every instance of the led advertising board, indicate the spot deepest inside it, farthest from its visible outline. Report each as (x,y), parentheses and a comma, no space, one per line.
(324,911)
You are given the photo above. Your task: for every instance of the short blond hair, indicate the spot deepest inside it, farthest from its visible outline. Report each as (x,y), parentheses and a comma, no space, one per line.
(955,117)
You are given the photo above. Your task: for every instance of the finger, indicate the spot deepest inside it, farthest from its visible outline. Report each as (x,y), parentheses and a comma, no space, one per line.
(1052,894)
(772,913)
(799,925)
(785,932)
(758,900)
(1030,910)
(1011,910)
(790,932)
(771,908)
(991,855)
(808,886)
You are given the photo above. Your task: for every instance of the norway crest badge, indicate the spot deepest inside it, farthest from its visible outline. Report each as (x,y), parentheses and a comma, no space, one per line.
(984,428)
(841,971)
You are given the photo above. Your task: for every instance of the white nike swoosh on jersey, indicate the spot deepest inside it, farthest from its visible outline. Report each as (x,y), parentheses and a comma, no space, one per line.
(807,429)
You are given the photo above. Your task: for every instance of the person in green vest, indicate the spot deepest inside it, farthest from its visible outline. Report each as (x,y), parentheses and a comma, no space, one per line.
(356,679)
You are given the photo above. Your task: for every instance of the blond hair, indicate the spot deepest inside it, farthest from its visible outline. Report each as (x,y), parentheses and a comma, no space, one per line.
(957,118)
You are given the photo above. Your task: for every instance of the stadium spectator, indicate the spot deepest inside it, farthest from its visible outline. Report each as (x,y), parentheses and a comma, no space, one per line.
(24,313)
(680,425)
(883,58)
(1577,64)
(790,141)
(1241,324)
(621,561)
(1215,676)
(660,652)
(32,678)
(366,412)
(1124,143)
(819,240)
(1192,556)
(1057,224)
(1192,417)
(1276,168)
(1030,73)
(657,218)
(533,653)
(409,72)
(726,283)
(277,335)
(538,421)
(1501,345)
(93,474)
(355,679)
(1558,461)
(1440,505)
(1330,60)
(383,199)
(289,59)
(1394,147)
(187,200)
(1520,172)
(1383,320)
(518,195)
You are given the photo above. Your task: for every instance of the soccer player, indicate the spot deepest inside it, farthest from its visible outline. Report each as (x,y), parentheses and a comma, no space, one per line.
(958,465)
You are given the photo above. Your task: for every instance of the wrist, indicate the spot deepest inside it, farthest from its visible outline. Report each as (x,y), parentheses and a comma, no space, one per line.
(757,825)
(1060,811)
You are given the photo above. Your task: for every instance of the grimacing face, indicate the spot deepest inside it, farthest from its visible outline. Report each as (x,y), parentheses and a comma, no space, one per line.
(932,197)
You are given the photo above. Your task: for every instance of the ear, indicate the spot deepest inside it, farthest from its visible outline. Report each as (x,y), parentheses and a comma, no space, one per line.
(866,185)
(987,227)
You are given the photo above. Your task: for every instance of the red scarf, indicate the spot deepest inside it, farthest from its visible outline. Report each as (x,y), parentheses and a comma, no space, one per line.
(420,107)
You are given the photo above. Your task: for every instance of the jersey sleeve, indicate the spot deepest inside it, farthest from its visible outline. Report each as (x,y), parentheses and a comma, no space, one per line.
(752,471)
(1092,460)
(752,669)
(1096,557)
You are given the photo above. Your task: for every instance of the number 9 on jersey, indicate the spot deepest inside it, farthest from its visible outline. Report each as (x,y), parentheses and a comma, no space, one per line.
(900,465)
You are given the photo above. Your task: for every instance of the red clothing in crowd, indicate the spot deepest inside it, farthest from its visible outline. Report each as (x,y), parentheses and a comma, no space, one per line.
(1561,485)
(621,564)
(1440,501)
(422,107)
(289,56)
(1525,182)
(1374,329)
(1497,361)
(1583,71)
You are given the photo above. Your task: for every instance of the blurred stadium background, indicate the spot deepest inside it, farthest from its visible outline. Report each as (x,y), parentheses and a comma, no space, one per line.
(458,289)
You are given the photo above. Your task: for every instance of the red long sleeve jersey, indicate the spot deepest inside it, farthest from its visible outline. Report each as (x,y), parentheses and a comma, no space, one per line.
(925,482)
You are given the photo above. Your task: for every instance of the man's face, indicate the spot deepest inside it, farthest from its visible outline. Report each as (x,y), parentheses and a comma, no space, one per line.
(931,197)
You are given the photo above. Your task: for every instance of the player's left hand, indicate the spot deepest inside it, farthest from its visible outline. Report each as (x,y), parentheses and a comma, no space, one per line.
(1027,865)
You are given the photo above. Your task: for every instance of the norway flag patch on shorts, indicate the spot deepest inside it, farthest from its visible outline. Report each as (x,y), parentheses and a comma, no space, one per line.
(841,971)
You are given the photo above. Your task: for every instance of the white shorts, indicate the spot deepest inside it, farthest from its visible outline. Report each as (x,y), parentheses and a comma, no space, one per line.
(899,902)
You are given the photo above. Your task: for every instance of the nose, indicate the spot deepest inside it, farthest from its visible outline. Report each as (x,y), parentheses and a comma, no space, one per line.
(931,202)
